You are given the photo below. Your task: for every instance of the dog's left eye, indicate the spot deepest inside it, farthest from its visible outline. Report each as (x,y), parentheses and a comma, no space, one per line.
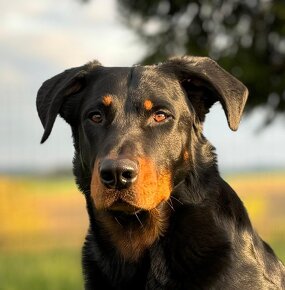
(96,117)
(160,116)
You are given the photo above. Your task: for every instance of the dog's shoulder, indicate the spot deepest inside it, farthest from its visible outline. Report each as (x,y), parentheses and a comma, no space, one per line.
(212,243)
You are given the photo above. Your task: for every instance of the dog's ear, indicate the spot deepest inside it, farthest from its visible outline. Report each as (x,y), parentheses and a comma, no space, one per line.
(206,82)
(57,91)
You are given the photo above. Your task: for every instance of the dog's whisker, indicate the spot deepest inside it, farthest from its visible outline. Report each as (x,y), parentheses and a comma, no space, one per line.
(139,220)
(176,199)
(170,204)
(130,235)
(118,221)
(170,200)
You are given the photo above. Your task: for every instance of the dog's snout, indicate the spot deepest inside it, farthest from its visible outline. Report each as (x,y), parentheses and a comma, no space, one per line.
(118,173)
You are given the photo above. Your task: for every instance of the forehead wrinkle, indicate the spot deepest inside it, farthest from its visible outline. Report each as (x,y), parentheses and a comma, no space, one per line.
(157,86)
(145,82)
(111,81)
(148,88)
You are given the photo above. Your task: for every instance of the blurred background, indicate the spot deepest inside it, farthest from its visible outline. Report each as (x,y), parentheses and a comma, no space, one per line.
(43,219)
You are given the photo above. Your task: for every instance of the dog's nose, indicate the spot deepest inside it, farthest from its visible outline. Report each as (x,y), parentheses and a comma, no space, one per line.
(118,173)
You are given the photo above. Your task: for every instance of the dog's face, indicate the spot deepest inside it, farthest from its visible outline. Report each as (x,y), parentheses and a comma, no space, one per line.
(131,125)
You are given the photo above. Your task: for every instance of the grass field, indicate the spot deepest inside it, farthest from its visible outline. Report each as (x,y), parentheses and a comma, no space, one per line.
(50,269)
(43,223)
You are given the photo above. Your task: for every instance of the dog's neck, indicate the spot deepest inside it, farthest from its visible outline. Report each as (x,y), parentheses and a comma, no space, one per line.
(202,170)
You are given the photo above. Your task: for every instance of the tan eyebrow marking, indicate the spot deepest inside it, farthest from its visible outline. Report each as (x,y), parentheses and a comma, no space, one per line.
(148,105)
(107,100)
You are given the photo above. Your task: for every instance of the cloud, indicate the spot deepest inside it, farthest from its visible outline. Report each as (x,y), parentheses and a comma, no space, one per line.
(68,33)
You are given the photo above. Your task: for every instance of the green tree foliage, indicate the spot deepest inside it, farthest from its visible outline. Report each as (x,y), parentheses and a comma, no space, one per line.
(246,37)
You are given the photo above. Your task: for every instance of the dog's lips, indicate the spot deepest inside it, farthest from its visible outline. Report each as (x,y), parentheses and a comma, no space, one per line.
(126,214)
(121,206)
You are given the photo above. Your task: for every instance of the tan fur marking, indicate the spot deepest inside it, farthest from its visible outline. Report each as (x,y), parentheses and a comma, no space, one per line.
(152,187)
(102,196)
(107,101)
(186,155)
(148,105)
(147,193)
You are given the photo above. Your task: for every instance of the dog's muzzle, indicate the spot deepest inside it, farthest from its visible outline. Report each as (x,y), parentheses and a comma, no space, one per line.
(118,173)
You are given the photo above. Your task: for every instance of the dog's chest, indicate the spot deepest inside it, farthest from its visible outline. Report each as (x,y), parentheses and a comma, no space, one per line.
(159,274)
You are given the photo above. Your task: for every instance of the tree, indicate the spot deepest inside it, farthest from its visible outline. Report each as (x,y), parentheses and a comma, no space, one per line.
(246,37)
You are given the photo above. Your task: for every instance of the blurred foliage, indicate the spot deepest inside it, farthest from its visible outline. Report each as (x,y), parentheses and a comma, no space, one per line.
(246,37)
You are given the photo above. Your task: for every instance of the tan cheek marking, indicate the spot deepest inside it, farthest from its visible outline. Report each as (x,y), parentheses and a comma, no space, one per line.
(107,100)
(96,187)
(152,187)
(99,193)
(148,105)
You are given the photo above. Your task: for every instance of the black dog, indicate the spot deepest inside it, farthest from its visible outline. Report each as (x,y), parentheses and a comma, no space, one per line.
(161,217)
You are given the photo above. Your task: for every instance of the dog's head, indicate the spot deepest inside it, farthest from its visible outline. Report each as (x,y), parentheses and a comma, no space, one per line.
(133,126)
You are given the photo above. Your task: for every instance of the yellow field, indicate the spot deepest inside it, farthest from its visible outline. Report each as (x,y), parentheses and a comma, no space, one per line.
(48,213)
(40,213)
(264,197)
(43,223)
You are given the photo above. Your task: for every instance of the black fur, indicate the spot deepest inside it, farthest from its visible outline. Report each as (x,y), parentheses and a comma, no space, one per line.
(204,238)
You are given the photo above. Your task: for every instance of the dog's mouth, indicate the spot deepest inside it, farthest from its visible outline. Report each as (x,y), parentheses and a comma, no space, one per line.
(124,207)
(126,214)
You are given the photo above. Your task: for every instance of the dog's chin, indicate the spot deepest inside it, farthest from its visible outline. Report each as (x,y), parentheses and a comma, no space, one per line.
(127,214)
(127,219)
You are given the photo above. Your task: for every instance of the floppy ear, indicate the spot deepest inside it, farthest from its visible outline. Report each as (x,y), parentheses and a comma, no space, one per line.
(206,82)
(58,90)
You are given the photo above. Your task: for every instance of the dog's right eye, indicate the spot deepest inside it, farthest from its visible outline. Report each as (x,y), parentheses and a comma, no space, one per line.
(95,117)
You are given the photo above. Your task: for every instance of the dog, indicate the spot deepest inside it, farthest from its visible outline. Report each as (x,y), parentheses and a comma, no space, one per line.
(161,217)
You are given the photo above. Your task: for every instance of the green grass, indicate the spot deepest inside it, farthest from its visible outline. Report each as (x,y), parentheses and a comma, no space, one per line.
(53,270)
(48,270)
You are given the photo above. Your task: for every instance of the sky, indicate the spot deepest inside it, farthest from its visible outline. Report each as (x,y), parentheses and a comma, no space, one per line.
(39,39)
